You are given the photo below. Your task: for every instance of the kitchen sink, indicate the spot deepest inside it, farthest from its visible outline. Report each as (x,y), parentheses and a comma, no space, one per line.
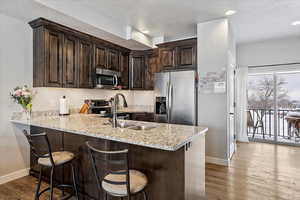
(121,124)
(142,127)
(133,125)
(124,124)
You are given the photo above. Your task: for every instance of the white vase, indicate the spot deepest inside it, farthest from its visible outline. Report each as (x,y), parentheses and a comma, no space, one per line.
(26,115)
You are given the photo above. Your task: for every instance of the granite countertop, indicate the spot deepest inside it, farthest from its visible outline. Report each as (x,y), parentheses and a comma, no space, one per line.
(168,137)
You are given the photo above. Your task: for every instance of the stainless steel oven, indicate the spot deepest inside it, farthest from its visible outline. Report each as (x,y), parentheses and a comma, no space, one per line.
(107,79)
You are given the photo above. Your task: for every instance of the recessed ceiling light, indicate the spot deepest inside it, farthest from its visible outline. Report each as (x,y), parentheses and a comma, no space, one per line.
(230,12)
(295,23)
(145,31)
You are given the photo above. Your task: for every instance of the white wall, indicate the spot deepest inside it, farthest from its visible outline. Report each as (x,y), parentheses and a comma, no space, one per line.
(213,46)
(15,69)
(76,97)
(275,51)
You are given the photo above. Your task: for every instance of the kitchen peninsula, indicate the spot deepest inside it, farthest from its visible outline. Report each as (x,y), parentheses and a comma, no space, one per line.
(172,156)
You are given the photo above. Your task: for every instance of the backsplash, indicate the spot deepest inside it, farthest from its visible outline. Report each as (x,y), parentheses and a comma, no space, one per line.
(48,98)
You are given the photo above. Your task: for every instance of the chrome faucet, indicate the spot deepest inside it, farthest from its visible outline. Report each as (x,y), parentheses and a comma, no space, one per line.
(115,103)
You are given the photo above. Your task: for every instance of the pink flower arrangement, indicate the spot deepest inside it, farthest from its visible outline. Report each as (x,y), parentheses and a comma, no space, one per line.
(23,96)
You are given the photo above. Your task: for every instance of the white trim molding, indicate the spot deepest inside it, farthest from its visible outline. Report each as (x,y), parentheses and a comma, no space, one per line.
(243,139)
(217,161)
(14,175)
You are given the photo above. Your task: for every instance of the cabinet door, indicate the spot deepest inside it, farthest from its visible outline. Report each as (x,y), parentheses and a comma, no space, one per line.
(113,60)
(137,72)
(53,58)
(70,69)
(151,67)
(85,65)
(167,57)
(124,69)
(187,56)
(100,57)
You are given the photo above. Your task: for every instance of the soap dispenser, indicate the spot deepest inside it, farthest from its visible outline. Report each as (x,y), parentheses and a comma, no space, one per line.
(63,106)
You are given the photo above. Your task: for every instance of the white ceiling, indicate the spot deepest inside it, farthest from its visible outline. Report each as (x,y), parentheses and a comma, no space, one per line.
(266,19)
(177,19)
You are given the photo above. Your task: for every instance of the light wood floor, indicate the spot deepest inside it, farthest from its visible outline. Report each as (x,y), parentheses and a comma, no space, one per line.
(257,172)
(24,189)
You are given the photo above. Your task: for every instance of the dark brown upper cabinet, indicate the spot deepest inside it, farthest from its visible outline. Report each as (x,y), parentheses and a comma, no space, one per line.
(113,60)
(53,58)
(124,69)
(137,70)
(186,55)
(167,57)
(85,64)
(178,55)
(143,66)
(64,57)
(70,55)
(100,57)
(151,67)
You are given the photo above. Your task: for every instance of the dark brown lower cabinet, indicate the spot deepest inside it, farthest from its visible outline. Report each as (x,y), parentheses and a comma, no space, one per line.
(86,181)
(176,175)
(146,117)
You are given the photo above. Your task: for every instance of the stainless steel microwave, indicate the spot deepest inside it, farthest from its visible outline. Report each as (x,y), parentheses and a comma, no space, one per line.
(107,79)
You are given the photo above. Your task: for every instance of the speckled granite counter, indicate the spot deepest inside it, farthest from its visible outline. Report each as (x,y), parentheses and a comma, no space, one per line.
(168,137)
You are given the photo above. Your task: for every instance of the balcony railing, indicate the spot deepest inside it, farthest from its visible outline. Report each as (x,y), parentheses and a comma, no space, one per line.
(264,118)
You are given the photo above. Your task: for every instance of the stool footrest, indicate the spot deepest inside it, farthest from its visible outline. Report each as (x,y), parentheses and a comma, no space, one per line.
(44,190)
(59,187)
(67,197)
(63,186)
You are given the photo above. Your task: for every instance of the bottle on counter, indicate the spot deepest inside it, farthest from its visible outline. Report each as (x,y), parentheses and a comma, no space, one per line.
(63,106)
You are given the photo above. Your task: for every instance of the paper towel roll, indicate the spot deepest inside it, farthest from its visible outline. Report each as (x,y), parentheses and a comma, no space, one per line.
(63,106)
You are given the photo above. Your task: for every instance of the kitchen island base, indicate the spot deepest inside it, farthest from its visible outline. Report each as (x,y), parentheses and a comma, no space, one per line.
(175,175)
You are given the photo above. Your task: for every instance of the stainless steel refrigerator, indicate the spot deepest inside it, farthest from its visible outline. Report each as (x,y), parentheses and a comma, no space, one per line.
(176,97)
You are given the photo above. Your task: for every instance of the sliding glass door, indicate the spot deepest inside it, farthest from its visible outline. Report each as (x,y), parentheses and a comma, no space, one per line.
(272,99)
(288,103)
(261,107)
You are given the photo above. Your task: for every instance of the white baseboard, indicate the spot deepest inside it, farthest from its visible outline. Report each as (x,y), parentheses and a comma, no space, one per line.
(243,139)
(15,175)
(217,161)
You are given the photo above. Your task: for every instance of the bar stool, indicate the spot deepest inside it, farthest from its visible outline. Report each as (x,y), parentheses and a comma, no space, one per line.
(117,180)
(51,160)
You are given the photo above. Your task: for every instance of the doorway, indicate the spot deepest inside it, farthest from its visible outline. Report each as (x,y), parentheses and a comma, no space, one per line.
(272,98)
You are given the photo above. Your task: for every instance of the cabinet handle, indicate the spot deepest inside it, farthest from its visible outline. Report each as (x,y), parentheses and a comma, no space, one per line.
(188,145)
(131,73)
(116,80)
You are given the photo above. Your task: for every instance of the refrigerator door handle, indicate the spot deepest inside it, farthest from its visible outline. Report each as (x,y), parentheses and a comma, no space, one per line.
(170,100)
(167,102)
